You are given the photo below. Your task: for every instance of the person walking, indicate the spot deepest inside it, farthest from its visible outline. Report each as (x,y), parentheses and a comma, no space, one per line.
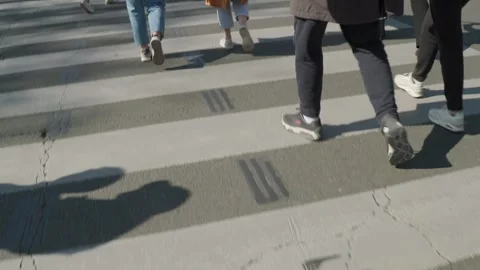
(225,19)
(151,48)
(359,22)
(441,31)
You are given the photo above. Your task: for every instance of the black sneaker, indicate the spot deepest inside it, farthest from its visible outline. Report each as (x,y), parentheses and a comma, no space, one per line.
(399,149)
(296,124)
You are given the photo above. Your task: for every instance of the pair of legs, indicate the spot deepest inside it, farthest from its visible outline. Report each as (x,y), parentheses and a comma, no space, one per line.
(156,21)
(225,19)
(441,30)
(85,4)
(369,50)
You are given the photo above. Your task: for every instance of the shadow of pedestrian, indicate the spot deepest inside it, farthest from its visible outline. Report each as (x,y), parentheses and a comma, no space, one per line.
(438,144)
(70,215)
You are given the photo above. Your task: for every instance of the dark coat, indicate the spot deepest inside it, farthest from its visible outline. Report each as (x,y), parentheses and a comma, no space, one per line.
(345,11)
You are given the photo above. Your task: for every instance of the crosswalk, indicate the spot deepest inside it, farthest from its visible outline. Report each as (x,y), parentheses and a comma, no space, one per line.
(110,163)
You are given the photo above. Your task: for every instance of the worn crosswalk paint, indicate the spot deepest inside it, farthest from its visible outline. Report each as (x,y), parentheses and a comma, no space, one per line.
(187,165)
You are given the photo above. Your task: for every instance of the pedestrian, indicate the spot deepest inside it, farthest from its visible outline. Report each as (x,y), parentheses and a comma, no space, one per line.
(359,21)
(225,19)
(441,31)
(151,48)
(85,4)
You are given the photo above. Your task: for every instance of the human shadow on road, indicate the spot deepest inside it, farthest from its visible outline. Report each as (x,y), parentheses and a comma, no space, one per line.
(437,144)
(419,116)
(79,215)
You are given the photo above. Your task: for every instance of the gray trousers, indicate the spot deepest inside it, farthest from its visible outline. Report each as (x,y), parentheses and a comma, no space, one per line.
(372,59)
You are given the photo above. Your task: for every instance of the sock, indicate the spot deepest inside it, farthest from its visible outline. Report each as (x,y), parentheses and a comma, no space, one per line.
(309,120)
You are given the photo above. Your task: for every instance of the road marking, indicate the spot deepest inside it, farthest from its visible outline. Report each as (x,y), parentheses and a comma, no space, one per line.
(263,180)
(217,100)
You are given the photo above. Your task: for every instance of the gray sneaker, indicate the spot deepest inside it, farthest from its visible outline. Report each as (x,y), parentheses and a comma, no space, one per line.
(399,149)
(296,123)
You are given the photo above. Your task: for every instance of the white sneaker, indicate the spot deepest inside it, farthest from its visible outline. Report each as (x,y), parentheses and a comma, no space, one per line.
(406,82)
(227,44)
(146,56)
(158,56)
(85,4)
(247,41)
(453,121)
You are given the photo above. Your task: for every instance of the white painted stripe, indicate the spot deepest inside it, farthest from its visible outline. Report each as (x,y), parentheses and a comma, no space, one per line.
(125,51)
(170,22)
(83,31)
(33,5)
(207,138)
(100,30)
(443,208)
(165,83)
(29,7)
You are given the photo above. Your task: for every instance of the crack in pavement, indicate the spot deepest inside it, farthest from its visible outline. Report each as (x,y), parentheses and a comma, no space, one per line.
(36,220)
(353,229)
(386,210)
(257,259)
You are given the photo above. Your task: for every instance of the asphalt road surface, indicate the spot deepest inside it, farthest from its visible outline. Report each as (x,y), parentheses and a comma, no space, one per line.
(110,163)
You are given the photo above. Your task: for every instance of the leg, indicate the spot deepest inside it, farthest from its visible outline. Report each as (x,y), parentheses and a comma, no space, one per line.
(225,20)
(309,72)
(377,78)
(87,6)
(428,49)
(136,14)
(447,20)
(156,20)
(374,66)
(241,14)
(419,8)
(412,83)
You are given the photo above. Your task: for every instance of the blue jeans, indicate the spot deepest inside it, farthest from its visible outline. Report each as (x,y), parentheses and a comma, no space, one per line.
(225,15)
(156,18)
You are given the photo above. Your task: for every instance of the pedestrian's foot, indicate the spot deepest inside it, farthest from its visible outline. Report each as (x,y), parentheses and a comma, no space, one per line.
(406,82)
(85,4)
(399,149)
(108,2)
(156,44)
(297,124)
(226,43)
(247,41)
(453,121)
(146,55)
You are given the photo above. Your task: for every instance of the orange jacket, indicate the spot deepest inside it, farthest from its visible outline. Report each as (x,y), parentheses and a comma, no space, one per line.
(221,3)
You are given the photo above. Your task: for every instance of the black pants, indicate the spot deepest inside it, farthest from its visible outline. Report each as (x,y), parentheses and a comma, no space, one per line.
(442,30)
(367,47)
(420,9)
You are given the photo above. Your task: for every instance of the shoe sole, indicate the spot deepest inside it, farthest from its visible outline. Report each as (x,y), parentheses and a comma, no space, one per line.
(158,57)
(86,8)
(402,150)
(247,41)
(309,135)
(407,89)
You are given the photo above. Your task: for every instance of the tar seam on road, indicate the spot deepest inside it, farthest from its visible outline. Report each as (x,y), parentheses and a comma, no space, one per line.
(263,181)
(217,100)
(59,123)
